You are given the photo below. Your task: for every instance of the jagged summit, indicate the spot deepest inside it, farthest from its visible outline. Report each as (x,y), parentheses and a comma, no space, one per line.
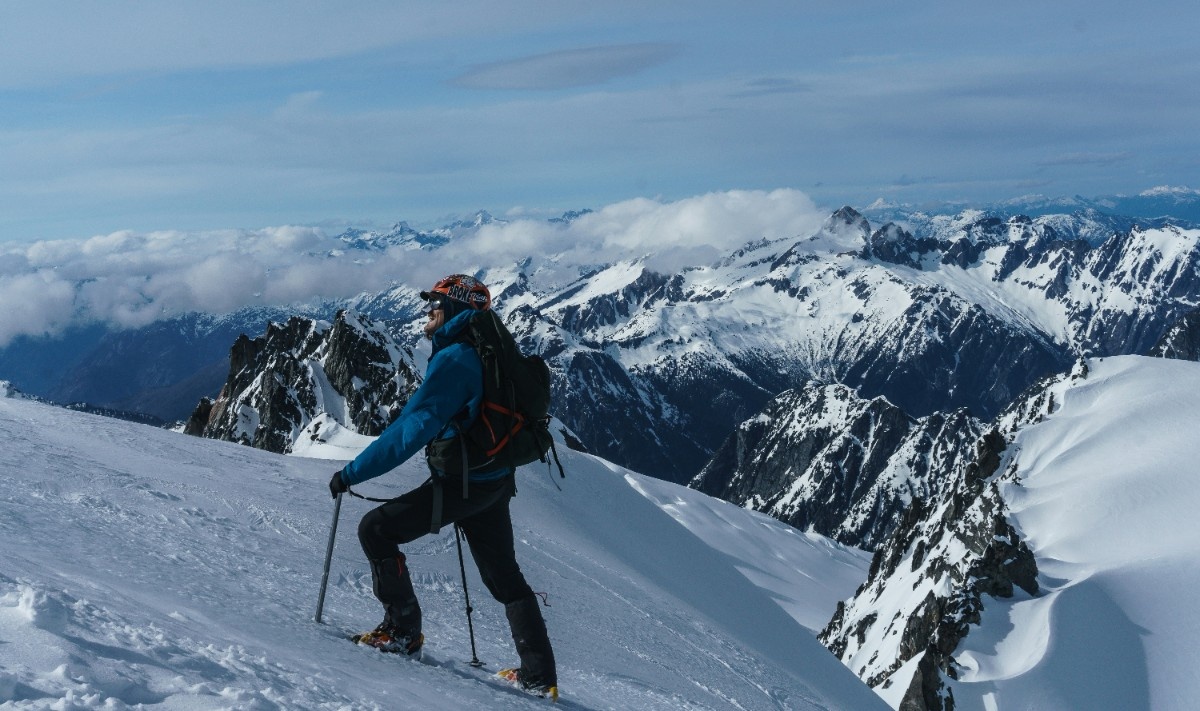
(401,234)
(570,216)
(7,390)
(305,380)
(826,460)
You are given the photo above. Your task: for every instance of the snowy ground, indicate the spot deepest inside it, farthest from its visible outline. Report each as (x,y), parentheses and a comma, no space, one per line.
(143,568)
(1108,494)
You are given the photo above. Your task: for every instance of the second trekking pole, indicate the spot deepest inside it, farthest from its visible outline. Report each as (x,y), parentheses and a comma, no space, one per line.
(337,509)
(466,595)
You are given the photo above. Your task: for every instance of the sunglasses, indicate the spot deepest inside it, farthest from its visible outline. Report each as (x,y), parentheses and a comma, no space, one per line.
(434,305)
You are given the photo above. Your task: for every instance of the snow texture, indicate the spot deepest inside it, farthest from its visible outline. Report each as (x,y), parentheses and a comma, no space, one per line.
(1105,495)
(146,569)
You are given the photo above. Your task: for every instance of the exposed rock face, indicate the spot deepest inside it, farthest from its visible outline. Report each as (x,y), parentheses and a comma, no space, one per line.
(823,459)
(927,584)
(933,575)
(1182,339)
(350,370)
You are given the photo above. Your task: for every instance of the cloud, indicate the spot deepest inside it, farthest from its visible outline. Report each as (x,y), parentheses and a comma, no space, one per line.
(129,279)
(34,304)
(1087,159)
(695,230)
(298,104)
(568,68)
(772,85)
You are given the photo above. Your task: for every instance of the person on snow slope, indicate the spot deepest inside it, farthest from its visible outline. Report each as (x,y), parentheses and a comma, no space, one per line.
(445,404)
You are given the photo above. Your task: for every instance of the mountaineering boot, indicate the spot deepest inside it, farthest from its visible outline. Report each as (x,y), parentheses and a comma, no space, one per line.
(391,640)
(537,672)
(513,676)
(400,630)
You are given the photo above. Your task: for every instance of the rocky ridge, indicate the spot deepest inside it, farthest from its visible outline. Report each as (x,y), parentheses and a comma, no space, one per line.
(931,578)
(1182,340)
(823,459)
(305,374)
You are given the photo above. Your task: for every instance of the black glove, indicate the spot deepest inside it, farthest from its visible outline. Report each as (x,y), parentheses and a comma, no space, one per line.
(337,484)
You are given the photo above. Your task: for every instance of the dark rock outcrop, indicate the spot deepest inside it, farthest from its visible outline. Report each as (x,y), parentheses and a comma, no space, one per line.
(351,371)
(1181,341)
(944,558)
(823,459)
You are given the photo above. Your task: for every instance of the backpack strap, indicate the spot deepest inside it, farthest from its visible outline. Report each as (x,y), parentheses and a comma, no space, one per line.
(562,474)
(462,447)
(501,442)
(435,480)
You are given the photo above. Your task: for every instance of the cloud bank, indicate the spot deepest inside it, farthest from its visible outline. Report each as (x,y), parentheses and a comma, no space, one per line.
(128,279)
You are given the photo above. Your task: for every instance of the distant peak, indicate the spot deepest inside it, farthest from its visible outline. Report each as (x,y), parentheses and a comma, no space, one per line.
(1170,191)
(847,215)
(570,216)
(847,221)
(479,219)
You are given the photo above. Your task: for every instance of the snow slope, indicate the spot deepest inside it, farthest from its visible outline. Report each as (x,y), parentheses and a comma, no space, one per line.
(143,567)
(1106,497)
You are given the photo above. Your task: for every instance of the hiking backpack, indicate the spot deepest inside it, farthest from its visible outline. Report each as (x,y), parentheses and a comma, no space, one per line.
(513,426)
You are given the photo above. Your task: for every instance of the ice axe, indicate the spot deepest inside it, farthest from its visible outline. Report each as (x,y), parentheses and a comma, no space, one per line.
(337,509)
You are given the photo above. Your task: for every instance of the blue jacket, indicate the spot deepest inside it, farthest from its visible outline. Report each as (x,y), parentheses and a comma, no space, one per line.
(453,381)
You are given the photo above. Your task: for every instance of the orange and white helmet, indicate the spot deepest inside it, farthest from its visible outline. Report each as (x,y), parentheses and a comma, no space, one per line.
(461,288)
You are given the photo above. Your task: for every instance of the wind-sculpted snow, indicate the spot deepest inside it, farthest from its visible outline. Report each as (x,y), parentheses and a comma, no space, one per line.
(1057,570)
(143,567)
(1102,489)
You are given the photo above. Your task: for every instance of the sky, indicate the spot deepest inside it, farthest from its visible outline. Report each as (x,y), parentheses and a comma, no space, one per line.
(141,116)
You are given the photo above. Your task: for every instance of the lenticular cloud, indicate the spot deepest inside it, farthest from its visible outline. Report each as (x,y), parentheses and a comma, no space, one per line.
(128,279)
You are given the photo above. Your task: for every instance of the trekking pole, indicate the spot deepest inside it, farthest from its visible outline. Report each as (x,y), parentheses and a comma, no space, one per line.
(337,509)
(463,569)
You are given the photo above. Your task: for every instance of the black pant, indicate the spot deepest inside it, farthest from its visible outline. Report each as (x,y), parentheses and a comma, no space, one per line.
(483,518)
(485,521)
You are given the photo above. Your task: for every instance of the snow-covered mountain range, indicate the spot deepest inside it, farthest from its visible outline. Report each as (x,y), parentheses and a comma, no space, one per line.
(654,369)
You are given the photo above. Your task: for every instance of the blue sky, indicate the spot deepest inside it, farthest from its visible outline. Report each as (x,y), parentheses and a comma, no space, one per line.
(146,116)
